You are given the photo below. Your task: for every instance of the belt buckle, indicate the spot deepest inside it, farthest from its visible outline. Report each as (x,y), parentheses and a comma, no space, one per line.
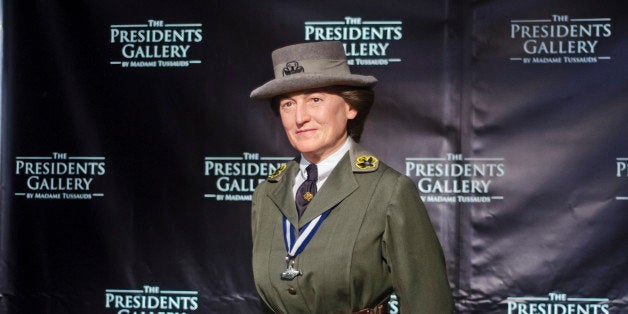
(379,309)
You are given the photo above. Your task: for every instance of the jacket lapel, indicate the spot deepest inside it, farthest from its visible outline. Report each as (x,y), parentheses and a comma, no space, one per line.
(338,186)
(282,194)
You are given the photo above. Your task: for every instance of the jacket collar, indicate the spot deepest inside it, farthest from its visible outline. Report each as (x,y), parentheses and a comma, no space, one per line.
(340,184)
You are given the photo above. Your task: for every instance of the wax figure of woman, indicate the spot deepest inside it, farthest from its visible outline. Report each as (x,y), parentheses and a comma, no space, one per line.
(337,230)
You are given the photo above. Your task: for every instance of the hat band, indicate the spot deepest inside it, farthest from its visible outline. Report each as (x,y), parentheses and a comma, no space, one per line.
(320,66)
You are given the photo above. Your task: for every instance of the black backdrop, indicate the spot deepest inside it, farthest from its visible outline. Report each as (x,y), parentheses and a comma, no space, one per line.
(129,146)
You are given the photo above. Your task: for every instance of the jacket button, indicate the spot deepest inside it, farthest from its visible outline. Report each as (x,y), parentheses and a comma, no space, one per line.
(292,290)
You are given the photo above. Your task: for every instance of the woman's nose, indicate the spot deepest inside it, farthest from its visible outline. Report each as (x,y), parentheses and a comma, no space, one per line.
(302,114)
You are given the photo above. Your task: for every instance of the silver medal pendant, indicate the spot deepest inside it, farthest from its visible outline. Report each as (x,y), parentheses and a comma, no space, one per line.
(290,272)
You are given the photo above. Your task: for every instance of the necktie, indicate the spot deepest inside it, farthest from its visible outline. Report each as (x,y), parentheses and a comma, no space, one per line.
(307,190)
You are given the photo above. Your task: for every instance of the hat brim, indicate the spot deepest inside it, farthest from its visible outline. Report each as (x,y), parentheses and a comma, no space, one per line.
(297,82)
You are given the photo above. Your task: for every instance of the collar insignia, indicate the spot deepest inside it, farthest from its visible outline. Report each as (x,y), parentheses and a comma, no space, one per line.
(366,162)
(277,172)
(292,67)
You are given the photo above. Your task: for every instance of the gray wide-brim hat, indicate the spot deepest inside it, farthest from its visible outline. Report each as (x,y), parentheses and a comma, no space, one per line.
(310,65)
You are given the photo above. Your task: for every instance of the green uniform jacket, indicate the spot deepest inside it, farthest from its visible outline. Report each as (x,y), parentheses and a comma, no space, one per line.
(377,237)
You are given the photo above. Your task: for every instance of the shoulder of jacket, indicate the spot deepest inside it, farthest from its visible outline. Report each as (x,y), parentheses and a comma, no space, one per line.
(389,176)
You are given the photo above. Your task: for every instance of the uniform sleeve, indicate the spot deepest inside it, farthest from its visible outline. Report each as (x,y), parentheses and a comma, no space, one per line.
(414,254)
(253,216)
(255,210)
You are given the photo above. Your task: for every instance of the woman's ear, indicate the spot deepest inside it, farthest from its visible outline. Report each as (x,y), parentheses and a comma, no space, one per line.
(351,112)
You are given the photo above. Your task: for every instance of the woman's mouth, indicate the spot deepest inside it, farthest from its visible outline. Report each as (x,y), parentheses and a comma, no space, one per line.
(305,130)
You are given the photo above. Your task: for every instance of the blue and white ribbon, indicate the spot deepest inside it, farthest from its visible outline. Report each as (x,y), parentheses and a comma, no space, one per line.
(296,246)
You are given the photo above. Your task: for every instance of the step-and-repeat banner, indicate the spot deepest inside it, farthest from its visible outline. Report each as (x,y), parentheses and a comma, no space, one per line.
(130,147)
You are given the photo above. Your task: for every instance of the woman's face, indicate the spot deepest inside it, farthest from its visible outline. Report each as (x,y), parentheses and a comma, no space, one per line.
(315,122)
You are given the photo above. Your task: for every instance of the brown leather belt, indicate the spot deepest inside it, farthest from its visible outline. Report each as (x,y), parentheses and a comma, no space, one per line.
(380,309)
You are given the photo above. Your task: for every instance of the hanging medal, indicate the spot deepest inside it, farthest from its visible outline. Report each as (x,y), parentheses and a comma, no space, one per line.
(296,246)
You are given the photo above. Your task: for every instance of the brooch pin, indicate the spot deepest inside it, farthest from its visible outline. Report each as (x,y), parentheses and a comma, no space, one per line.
(308,196)
(277,172)
(365,162)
